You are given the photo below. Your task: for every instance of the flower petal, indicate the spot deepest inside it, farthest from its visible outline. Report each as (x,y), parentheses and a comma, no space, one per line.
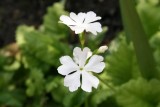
(89,81)
(78,18)
(80,56)
(72,81)
(95,64)
(94,28)
(67,66)
(73,16)
(91,17)
(67,20)
(77,29)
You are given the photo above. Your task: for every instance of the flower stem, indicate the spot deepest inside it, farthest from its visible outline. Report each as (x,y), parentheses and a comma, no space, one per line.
(82,39)
(105,83)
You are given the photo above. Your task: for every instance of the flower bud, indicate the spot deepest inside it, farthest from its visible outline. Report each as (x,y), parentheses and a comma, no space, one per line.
(102,49)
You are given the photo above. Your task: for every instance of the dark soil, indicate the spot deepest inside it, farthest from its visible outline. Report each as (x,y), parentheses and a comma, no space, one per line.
(17,12)
(30,12)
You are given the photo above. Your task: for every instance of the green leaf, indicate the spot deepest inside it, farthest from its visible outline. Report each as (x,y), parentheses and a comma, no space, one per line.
(13,98)
(47,44)
(38,48)
(75,99)
(155,40)
(51,23)
(134,30)
(95,41)
(158,105)
(57,89)
(121,62)
(155,43)
(12,67)
(150,15)
(35,83)
(5,79)
(110,102)
(100,96)
(139,93)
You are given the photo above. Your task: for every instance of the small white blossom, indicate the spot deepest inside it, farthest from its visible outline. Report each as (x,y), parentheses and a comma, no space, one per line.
(102,49)
(82,21)
(80,67)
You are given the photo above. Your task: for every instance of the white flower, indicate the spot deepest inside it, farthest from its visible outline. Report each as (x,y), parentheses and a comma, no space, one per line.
(82,21)
(102,49)
(77,71)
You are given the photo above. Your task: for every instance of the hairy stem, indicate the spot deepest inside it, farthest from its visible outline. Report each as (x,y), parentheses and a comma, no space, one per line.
(82,39)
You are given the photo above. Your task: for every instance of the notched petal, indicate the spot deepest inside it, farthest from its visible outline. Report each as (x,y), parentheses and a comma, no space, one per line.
(95,64)
(94,28)
(80,56)
(89,81)
(68,65)
(91,17)
(66,60)
(67,20)
(72,81)
(73,16)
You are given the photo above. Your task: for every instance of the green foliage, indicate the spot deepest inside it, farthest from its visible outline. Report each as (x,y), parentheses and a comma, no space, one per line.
(35,83)
(40,50)
(101,97)
(12,97)
(29,78)
(44,48)
(139,93)
(136,33)
(155,43)
(51,25)
(75,99)
(95,41)
(150,15)
(121,63)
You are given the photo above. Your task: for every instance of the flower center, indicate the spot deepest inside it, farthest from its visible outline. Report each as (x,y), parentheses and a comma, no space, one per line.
(82,25)
(81,69)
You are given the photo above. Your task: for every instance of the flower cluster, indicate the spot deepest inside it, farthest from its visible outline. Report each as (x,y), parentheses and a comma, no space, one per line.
(78,71)
(81,66)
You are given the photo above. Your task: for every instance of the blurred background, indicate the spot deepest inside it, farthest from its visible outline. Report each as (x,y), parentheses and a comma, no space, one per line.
(32,41)
(29,12)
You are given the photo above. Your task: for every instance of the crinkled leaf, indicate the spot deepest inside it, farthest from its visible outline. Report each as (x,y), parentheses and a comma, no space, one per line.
(61,94)
(35,83)
(57,89)
(51,23)
(76,99)
(121,62)
(139,93)
(99,97)
(39,47)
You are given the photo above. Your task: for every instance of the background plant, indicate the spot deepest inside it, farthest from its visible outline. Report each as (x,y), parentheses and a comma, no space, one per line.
(29,77)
